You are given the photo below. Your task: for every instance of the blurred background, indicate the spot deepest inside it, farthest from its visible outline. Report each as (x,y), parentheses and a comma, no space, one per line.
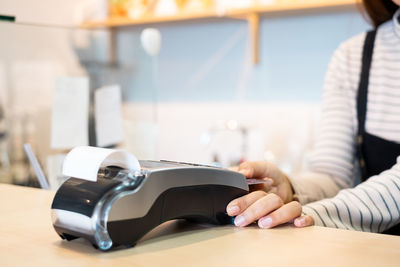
(205,81)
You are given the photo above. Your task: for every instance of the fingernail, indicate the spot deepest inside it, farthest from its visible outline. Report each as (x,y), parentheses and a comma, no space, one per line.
(233,209)
(300,222)
(240,221)
(265,222)
(269,181)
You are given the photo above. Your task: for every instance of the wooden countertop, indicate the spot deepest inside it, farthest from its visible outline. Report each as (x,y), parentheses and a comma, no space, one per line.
(27,238)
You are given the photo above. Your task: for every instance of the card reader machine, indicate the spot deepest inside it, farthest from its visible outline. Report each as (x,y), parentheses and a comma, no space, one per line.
(121,207)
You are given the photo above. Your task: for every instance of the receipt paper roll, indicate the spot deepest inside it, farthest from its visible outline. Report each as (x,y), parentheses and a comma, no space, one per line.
(84,162)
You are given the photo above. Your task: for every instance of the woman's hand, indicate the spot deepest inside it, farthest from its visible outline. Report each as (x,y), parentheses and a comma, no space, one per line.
(277,181)
(270,203)
(268,209)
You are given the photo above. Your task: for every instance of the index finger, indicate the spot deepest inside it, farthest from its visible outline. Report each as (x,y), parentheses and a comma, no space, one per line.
(240,204)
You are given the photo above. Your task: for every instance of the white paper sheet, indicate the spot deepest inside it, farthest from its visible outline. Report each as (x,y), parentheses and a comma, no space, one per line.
(70,114)
(84,162)
(108,116)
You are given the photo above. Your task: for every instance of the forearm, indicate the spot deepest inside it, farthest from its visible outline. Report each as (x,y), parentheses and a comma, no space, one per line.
(372,206)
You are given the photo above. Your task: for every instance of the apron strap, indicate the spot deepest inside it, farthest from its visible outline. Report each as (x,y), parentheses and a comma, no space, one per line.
(364,80)
(362,96)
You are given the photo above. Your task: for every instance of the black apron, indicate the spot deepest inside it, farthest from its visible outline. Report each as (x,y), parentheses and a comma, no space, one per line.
(375,154)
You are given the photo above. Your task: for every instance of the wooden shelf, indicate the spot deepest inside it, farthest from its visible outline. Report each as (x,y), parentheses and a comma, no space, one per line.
(250,14)
(280,6)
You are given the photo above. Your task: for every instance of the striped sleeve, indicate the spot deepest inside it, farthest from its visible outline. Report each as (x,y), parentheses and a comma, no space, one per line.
(326,191)
(331,166)
(372,206)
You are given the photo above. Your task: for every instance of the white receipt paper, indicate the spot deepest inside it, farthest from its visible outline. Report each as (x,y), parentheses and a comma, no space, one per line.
(84,162)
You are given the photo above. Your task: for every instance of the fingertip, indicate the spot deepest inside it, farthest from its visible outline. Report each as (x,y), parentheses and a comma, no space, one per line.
(240,221)
(232,210)
(300,222)
(265,222)
(304,221)
(269,181)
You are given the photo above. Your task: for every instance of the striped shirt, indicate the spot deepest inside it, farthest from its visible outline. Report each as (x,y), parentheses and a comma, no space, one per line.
(331,187)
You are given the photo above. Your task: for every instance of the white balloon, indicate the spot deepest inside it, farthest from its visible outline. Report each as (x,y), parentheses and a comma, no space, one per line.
(151,41)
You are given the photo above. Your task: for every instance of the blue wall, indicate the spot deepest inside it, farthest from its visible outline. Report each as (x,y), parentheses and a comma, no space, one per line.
(209,60)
